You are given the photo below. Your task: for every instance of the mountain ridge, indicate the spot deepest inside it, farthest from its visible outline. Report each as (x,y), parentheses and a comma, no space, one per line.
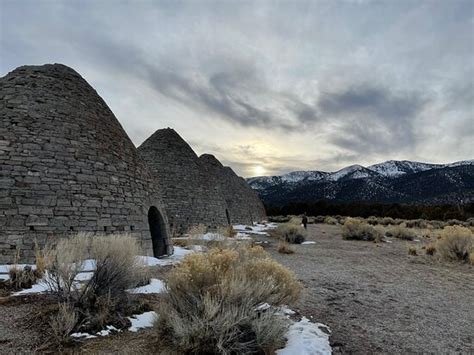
(391,181)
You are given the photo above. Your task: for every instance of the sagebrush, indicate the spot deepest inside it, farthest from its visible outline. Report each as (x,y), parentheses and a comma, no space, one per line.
(355,229)
(456,243)
(212,303)
(291,233)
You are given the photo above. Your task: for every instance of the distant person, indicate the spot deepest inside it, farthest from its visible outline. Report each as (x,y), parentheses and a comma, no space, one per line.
(305,221)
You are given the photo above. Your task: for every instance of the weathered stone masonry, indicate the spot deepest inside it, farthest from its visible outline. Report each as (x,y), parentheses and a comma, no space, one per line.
(243,204)
(190,198)
(66,165)
(198,190)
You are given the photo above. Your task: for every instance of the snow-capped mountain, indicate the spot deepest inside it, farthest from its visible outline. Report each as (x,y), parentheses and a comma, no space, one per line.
(390,181)
(394,168)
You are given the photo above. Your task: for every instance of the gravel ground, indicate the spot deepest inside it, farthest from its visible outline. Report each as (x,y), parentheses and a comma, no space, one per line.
(374,297)
(378,299)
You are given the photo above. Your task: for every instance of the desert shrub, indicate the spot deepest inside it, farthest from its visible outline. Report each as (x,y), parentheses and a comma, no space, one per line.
(330,220)
(455,222)
(387,221)
(470,222)
(24,277)
(296,220)
(180,242)
(284,248)
(401,232)
(319,219)
(227,231)
(412,251)
(212,303)
(39,260)
(63,322)
(372,220)
(64,261)
(430,249)
(103,298)
(290,233)
(456,243)
(354,229)
(117,267)
(471,257)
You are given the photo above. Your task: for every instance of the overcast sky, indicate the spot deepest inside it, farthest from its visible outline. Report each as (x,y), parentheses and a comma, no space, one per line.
(269,86)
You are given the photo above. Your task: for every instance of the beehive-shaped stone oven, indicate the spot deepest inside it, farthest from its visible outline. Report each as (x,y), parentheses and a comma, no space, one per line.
(68,166)
(188,196)
(243,203)
(197,190)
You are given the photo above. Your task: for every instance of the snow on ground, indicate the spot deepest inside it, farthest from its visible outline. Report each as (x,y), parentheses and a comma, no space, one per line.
(6,268)
(39,287)
(144,320)
(309,242)
(139,321)
(257,228)
(306,338)
(155,286)
(84,276)
(179,254)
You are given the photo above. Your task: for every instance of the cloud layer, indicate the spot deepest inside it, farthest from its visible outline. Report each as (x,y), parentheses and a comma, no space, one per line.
(284,85)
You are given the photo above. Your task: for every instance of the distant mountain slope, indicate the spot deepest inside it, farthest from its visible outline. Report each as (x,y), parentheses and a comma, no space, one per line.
(391,181)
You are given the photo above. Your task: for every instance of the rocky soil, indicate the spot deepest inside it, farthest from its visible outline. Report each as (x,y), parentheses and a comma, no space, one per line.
(374,297)
(378,299)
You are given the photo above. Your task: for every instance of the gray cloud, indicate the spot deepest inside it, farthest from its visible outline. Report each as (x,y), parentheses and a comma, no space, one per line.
(345,80)
(373,118)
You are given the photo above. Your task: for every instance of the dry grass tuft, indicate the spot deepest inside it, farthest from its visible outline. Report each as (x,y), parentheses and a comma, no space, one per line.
(227,231)
(291,233)
(401,232)
(354,229)
(212,301)
(180,242)
(284,248)
(330,220)
(63,322)
(456,243)
(430,249)
(102,299)
(412,251)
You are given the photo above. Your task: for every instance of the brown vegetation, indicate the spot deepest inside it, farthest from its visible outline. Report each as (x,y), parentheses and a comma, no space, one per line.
(354,229)
(284,248)
(212,303)
(456,243)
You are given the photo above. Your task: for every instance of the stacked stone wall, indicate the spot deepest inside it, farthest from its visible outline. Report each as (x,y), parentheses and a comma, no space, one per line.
(189,196)
(243,204)
(66,164)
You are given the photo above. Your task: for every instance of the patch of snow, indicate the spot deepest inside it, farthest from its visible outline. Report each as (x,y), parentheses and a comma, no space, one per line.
(144,320)
(242,236)
(287,311)
(4,276)
(262,307)
(356,170)
(83,335)
(84,276)
(211,237)
(105,332)
(309,242)
(6,268)
(155,286)
(306,338)
(39,287)
(179,254)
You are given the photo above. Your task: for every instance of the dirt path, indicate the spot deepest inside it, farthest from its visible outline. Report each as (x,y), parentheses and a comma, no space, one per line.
(376,298)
